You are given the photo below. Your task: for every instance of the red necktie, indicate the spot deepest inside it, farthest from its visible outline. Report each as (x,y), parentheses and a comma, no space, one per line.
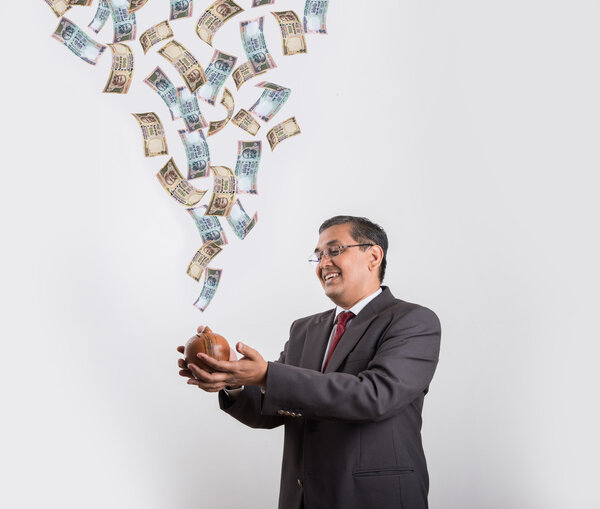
(342,320)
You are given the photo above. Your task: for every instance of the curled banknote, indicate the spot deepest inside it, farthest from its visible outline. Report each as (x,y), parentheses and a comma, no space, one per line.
(217,72)
(81,3)
(190,110)
(243,73)
(283,131)
(181,9)
(258,3)
(136,5)
(186,64)
(229,103)
(224,189)
(178,187)
(155,34)
(202,258)
(315,12)
(209,288)
(124,24)
(78,42)
(59,7)
(160,82)
(155,143)
(240,221)
(197,152)
(214,17)
(209,226)
(244,120)
(121,71)
(101,16)
(292,33)
(253,40)
(246,167)
(271,100)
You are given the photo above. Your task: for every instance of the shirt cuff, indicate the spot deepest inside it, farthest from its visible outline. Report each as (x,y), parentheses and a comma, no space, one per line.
(234,392)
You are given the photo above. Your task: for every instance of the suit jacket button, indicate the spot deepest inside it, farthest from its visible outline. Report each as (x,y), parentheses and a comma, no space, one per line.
(299,483)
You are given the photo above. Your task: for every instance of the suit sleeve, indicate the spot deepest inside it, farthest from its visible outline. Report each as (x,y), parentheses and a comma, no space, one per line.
(400,371)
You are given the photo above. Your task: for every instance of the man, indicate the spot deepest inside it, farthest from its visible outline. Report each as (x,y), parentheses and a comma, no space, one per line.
(350,395)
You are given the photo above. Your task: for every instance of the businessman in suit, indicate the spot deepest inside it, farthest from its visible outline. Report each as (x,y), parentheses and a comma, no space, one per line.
(348,387)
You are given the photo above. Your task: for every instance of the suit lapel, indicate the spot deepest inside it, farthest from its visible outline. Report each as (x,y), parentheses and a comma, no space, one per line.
(317,336)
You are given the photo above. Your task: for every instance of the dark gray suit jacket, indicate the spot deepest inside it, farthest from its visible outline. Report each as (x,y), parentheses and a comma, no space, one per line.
(353,433)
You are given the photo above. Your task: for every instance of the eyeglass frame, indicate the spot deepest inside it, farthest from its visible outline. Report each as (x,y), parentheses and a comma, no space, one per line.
(321,254)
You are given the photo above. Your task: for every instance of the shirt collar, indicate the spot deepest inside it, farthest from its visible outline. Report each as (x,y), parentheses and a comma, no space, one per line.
(357,308)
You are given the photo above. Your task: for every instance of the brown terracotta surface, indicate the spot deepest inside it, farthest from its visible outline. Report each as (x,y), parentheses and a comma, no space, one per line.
(207,342)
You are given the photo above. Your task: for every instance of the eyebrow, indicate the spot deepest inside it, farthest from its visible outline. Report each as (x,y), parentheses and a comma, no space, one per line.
(335,241)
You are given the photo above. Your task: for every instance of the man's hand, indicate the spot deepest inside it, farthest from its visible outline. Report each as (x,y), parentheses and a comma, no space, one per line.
(251,369)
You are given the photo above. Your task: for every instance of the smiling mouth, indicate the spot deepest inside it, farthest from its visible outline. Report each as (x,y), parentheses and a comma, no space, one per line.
(331,276)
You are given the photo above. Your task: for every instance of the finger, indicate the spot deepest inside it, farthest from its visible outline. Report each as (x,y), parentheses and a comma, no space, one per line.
(207,377)
(247,351)
(186,372)
(201,329)
(181,349)
(223,366)
(182,364)
(206,386)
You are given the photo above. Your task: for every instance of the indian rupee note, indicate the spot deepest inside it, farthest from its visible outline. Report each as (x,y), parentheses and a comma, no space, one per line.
(271,100)
(246,167)
(82,3)
(190,110)
(292,33)
(178,187)
(315,12)
(243,73)
(240,221)
(159,81)
(283,131)
(214,17)
(209,226)
(253,40)
(202,258)
(124,24)
(121,72)
(186,64)
(197,152)
(209,288)
(155,143)
(217,72)
(229,103)
(258,3)
(155,34)
(181,9)
(101,17)
(224,189)
(244,120)
(59,7)
(78,42)
(136,5)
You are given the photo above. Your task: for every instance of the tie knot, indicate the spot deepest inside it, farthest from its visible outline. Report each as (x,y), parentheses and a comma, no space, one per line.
(343,318)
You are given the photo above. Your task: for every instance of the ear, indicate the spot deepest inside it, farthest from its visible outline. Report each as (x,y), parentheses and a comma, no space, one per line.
(375,258)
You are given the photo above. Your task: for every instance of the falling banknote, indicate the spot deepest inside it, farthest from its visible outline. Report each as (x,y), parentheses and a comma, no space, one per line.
(271,100)
(181,9)
(258,3)
(159,81)
(178,187)
(155,143)
(292,32)
(59,7)
(82,3)
(214,17)
(136,5)
(217,72)
(244,120)
(315,12)
(190,110)
(101,16)
(255,46)
(229,103)
(209,288)
(224,188)
(155,34)
(240,221)
(124,24)
(202,258)
(246,167)
(186,64)
(283,131)
(121,72)
(243,73)
(197,152)
(209,226)
(78,42)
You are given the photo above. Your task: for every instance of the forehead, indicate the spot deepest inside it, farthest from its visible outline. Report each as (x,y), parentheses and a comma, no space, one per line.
(339,233)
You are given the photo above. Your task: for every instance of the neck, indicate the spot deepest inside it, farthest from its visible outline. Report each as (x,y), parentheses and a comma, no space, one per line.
(347,303)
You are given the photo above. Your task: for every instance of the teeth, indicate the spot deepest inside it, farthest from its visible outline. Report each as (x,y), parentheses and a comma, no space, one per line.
(331,275)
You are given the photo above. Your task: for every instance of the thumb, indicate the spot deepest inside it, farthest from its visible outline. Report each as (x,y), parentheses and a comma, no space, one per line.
(246,351)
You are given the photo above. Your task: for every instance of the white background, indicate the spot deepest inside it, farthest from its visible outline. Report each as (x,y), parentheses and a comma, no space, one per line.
(467,129)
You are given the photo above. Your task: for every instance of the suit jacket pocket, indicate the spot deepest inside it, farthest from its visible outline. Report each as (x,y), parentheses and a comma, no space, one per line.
(382,471)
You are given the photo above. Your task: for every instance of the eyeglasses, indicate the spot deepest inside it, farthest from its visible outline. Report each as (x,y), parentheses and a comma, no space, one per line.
(332,251)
